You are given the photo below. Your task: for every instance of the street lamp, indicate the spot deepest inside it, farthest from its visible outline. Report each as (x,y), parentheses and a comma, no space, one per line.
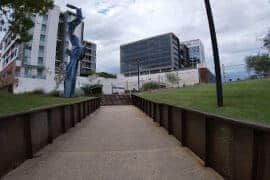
(138,66)
(215,53)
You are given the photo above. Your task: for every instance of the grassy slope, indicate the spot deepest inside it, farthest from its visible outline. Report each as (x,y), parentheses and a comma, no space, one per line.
(17,103)
(247,100)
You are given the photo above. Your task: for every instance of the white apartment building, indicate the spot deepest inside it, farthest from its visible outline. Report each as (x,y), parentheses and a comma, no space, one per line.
(37,61)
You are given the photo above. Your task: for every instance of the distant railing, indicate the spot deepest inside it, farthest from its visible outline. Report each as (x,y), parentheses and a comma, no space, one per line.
(24,134)
(115,99)
(234,148)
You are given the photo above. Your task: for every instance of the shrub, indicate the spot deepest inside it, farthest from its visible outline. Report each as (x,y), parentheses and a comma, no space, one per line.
(172,78)
(150,86)
(54,93)
(87,73)
(106,75)
(35,92)
(92,90)
(78,93)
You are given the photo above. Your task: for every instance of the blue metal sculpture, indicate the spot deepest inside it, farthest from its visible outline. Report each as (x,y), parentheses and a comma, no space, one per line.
(75,54)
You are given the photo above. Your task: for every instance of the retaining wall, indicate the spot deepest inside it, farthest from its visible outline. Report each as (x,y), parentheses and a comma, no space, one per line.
(236,149)
(24,134)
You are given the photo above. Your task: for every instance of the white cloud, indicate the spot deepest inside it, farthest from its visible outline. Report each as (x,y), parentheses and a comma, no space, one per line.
(111,23)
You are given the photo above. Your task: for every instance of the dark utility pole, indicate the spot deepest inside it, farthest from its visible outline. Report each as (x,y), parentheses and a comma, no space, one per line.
(138,66)
(215,53)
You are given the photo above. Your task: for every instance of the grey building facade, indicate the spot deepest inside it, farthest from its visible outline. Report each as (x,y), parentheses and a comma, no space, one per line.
(156,54)
(195,51)
(184,55)
(88,61)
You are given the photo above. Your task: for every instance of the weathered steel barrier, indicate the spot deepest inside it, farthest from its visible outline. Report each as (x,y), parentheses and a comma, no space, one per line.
(234,148)
(115,99)
(24,134)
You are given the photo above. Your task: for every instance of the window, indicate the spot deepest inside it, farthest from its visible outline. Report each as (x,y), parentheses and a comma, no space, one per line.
(45,19)
(40,60)
(43,27)
(26,72)
(42,38)
(29,47)
(39,73)
(27,53)
(18,72)
(41,51)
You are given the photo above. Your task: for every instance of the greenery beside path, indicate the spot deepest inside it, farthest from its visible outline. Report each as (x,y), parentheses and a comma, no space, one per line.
(10,103)
(246,100)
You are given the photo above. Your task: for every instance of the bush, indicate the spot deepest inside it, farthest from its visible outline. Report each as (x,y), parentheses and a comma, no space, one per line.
(54,93)
(35,92)
(172,78)
(150,86)
(92,90)
(87,73)
(106,75)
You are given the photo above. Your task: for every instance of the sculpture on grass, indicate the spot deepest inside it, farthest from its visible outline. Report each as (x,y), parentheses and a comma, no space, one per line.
(75,53)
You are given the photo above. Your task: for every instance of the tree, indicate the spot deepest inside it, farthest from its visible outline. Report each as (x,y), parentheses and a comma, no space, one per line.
(151,85)
(87,73)
(15,15)
(106,75)
(172,78)
(266,41)
(92,90)
(260,63)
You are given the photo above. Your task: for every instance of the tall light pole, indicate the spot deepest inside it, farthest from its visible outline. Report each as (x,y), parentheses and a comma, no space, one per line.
(138,66)
(215,53)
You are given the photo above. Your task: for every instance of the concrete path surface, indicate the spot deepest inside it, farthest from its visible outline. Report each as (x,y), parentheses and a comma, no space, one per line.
(115,143)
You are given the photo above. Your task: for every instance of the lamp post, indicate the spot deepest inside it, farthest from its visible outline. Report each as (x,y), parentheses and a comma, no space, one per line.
(215,53)
(138,66)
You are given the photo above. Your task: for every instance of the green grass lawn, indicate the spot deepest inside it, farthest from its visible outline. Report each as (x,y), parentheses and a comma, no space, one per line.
(246,100)
(10,103)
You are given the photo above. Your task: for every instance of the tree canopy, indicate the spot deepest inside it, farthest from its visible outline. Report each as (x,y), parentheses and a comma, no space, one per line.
(16,15)
(266,41)
(260,63)
(172,78)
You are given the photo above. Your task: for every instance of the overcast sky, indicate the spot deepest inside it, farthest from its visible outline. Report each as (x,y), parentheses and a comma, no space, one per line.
(239,23)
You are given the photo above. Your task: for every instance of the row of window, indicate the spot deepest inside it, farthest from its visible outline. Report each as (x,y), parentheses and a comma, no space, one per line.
(10,55)
(28,73)
(131,55)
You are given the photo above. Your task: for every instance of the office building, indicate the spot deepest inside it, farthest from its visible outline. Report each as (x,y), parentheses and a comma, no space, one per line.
(88,61)
(195,51)
(184,56)
(156,54)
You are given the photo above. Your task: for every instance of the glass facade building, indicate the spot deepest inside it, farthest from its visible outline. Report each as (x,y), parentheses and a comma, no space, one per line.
(157,54)
(195,51)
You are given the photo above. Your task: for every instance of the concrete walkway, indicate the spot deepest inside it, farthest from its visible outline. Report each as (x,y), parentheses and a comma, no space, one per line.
(116,142)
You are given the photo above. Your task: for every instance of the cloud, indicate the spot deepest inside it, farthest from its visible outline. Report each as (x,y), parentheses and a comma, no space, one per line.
(111,23)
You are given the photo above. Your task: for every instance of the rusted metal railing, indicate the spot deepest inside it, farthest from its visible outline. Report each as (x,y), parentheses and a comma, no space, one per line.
(23,134)
(235,149)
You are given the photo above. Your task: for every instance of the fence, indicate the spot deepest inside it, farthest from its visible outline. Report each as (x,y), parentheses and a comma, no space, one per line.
(115,99)
(235,149)
(24,134)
